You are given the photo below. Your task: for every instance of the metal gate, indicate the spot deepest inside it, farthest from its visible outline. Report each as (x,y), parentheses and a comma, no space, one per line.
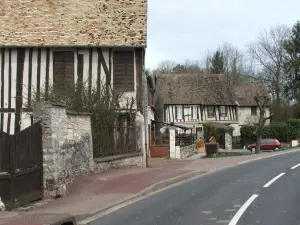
(21,166)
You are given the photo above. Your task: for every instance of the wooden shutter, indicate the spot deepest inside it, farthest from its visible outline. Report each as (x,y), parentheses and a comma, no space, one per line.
(123,69)
(63,69)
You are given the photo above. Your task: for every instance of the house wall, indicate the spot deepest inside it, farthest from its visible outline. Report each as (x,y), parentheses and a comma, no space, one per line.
(170,114)
(38,73)
(245,118)
(73,23)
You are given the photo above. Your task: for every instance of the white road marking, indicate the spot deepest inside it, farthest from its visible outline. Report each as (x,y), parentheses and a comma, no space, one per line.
(294,167)
(273,180)
(239,213)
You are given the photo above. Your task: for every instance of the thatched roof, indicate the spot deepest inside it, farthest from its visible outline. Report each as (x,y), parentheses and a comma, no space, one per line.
(245,93)
(205,89)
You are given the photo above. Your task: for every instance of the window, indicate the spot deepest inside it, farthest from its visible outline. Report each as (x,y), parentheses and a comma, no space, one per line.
(270,141)
(63,69)
(223,111)
(210,111)
(123,70)
(263,141)
(195,112)
(253,110)
(179,112)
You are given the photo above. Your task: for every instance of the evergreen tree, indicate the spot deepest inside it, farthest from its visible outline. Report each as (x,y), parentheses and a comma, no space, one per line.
(217,63)
(292,63)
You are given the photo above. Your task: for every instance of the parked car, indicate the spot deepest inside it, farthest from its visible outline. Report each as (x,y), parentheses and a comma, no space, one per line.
(266,144)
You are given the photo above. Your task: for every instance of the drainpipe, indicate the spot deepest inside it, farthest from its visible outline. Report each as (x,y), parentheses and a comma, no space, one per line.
(145,106)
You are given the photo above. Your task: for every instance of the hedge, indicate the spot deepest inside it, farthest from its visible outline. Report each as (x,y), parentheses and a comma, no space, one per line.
(283,131)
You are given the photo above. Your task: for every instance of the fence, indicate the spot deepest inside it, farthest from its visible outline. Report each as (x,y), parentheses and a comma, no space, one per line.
(21,166)
(185,139)
(113,140)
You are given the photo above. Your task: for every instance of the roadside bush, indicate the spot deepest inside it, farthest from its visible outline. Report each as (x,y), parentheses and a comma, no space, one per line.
(283,131)
(295,123)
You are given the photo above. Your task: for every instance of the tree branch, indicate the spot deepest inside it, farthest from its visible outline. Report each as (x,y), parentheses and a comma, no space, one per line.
(267,118)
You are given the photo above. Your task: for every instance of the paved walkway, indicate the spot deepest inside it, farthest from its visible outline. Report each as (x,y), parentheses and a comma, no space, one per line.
(93,193)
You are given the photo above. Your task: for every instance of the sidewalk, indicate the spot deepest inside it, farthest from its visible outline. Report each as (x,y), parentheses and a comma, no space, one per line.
(94,193)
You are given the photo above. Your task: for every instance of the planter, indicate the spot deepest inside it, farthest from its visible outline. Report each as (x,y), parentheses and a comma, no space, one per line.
(211,148)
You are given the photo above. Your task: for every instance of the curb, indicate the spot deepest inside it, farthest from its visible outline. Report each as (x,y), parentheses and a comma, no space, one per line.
(87,218)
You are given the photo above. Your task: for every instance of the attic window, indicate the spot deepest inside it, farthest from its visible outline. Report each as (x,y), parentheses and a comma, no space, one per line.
(195,112)
(179,112)
(210,111)
(223,111)
(253,110)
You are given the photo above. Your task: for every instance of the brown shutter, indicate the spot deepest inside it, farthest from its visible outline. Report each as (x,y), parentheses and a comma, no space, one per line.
(123,69)
(63,69)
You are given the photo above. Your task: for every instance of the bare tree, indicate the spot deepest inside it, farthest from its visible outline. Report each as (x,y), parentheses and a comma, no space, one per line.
(166,66)
(237,66)
(268,51)
(262,102)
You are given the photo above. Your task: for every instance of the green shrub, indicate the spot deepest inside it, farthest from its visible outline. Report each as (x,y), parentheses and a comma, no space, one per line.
(283,131)
(295,123)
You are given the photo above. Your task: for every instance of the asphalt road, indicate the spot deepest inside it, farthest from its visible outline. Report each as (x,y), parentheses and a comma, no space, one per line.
(260,192)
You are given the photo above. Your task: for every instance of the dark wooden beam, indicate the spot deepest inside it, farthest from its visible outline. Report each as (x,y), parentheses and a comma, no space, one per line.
(7,110)
(9,90)
(29,77)
(47,73)
(99,71)
(102,62)
(19,87)
(38,85)
(90,72)
(2,86)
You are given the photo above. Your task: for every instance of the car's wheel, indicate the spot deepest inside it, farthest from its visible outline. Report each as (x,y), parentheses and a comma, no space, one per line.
(276,149)
(253,150)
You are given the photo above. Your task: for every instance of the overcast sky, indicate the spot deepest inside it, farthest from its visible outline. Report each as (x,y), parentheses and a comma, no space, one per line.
(187,29)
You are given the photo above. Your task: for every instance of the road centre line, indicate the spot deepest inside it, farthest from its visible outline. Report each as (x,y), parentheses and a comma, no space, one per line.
(240,212)
(273,180)
(294,167)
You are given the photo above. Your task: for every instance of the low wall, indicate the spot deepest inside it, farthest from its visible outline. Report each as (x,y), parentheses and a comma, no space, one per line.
(67,146)
(187,151)
(159,151)
(182,152)
(103,164)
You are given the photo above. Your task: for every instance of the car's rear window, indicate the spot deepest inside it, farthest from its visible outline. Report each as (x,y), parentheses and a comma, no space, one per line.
(270,141)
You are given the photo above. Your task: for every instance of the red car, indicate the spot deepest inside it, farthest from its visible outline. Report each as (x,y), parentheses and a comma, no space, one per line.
(266,144)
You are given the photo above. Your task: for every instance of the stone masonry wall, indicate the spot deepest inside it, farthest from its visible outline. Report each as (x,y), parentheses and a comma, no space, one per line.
(73,22)
(228,142)
(67,146)
(187,151)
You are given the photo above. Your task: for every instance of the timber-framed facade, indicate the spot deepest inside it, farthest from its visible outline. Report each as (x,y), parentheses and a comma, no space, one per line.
(33,59)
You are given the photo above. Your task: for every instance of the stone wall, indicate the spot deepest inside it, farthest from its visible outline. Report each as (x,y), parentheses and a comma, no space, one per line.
(228,142)
(73,22)
(104,164)
(187,151)
(67,146)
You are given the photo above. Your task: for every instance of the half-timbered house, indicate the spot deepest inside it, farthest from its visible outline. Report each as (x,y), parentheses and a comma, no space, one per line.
(194,99)
(43,43)
(248,111)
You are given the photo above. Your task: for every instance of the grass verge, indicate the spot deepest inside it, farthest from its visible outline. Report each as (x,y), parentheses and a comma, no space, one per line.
(227,154)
